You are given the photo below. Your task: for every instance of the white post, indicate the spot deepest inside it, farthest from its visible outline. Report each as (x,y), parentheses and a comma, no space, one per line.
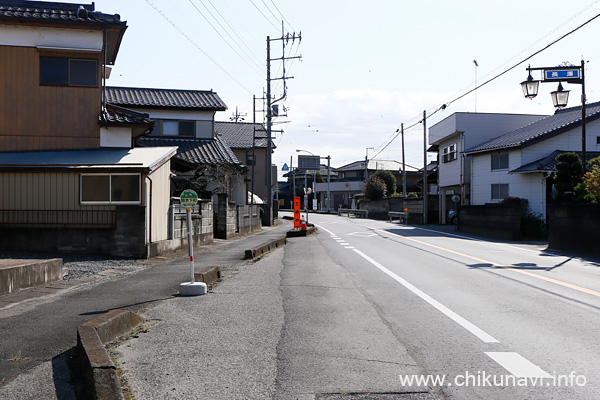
(190,242)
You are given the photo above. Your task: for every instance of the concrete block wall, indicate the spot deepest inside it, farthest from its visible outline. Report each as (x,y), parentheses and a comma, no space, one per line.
(226,218)
(126,239)
(248,219)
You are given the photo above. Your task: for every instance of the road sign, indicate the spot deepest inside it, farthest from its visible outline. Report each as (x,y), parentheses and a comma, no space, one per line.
(309,162)
(561,74)
(455,198)
(188,198)
(285,167)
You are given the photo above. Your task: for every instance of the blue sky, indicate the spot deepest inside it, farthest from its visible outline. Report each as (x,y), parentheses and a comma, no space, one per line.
(366,66)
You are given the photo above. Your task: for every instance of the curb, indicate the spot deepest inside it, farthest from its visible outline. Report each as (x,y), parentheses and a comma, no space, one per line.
(99,370)
(309,231)
(259,251)
(208,275)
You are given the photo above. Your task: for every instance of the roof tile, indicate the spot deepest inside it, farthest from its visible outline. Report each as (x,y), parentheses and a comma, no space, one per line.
(165,98)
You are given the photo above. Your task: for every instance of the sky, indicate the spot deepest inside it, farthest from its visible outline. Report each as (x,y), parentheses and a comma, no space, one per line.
(365,68)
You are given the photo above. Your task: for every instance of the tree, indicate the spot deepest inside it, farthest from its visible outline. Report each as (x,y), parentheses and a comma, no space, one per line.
(375,188)
(568,176)
(591,181)
(389,179)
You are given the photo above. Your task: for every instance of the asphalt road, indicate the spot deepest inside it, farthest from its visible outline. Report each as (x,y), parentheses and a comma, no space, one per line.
(493,320)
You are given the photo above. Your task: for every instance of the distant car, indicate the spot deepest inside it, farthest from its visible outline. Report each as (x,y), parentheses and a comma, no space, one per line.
(452,217)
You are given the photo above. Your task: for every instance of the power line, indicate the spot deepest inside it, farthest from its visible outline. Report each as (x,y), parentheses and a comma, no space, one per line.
(221,36)
(445,105)
(185,35)
(263,14)
(236,34)
(282,16)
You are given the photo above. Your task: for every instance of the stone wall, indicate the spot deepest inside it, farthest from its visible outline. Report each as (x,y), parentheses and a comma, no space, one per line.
(226,218)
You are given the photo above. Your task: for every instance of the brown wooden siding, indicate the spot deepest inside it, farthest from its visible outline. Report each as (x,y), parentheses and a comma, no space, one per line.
(34,117)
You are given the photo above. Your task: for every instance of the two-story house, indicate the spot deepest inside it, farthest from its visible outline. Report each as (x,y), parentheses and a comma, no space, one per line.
(521,163)
(249,144)
(186,119)
(70,179)
(458,132)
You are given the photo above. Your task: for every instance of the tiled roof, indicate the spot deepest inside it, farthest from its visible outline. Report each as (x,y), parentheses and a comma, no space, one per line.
(165,98)
(196,151)
(114,115)
(374,165)
(63,13)
(239,135)
(548,163)
(561,121)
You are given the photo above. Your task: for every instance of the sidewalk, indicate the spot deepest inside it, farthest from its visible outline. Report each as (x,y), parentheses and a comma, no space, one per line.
(38,330)
(292,325)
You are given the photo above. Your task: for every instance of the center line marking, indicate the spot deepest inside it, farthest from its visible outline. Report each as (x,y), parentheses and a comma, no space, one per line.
(484,336)
(551,280)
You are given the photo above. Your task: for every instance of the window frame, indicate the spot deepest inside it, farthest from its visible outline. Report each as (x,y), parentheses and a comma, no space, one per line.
(449,153)
(499,185)
(499,168)
(69,83)
(159,129)
(110,201)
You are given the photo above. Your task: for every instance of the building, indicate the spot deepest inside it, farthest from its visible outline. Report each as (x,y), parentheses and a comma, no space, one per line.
(185,119)
(450,138)
(249,144)
(70,179)
(520,163)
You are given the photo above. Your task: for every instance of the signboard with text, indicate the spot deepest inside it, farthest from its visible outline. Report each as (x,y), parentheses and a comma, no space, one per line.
(309,162)
(297,212)
(561,74)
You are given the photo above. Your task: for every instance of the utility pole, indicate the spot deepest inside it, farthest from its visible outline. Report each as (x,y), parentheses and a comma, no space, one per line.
(237,117)
(285,38)
(403,163)
(425,168)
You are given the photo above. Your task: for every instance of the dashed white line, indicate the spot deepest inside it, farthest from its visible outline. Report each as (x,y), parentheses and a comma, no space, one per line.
(518,365)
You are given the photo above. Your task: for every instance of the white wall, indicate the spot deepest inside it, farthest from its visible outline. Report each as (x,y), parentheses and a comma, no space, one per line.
(161,198)
(28,36)
(529,186)
(115,137)
(449,172)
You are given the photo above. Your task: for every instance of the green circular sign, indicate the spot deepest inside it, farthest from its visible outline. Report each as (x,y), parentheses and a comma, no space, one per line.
(188,198)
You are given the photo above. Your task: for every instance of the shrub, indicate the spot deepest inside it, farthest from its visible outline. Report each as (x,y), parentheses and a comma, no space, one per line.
(591,182)
(389,179)
(568,177)
(375,188)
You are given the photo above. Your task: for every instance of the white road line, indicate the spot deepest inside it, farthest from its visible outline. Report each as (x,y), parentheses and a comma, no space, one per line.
(349,247)
(326,230)
(484,336)
(518,365)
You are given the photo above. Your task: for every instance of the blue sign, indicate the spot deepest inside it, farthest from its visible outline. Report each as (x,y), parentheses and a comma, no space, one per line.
(561,74)
(285,167)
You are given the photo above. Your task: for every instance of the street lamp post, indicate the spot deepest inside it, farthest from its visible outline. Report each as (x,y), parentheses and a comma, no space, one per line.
(560,97)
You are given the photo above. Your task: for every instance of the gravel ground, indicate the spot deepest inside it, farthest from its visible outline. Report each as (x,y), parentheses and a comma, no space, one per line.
(80,265)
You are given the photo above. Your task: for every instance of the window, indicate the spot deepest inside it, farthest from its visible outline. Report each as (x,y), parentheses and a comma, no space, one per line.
(57,71)
(250,159)
(110,188)
(499,161)
(499,191)
(449,153)
(597,139)
(175,128)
